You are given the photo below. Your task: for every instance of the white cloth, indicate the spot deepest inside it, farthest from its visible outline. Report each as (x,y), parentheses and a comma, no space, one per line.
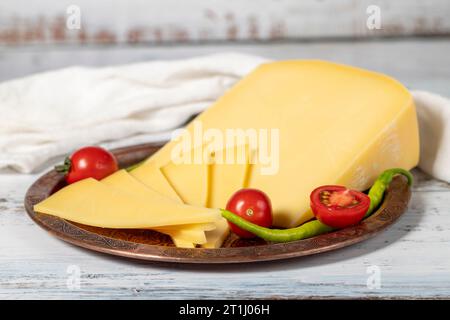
(56,112)
(53,113)
(433,112)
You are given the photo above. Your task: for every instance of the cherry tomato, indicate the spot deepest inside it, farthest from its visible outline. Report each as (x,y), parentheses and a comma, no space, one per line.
(339,207)
(252,205)
(88,162)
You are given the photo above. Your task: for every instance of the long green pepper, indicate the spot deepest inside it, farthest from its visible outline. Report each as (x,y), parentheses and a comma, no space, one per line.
(315,227)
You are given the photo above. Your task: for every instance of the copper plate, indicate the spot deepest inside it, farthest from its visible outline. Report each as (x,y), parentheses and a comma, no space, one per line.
(153,246)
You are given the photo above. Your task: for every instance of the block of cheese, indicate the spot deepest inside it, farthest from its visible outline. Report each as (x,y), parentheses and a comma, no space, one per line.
(155,180)
(336,125)
(124,182)
(189,179)
(93,203)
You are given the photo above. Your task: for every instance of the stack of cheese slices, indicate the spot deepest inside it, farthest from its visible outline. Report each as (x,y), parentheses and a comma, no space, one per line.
(336,125)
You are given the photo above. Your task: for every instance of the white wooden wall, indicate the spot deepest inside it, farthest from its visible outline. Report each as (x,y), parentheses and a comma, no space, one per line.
(34,36)
(168,21)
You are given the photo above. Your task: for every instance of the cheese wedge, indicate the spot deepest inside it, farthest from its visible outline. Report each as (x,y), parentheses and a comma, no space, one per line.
(336,125)
(189,180)
(155,180)
(124,182)
(93,203)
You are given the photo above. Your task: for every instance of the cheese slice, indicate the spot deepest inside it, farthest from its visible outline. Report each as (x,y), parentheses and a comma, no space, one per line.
(214,183)
(124,182)
(193,226)
(216,237)
(93,203)
(155,180)
(336,125)
(183,244)
(189,179)
(228,174)
(191,235)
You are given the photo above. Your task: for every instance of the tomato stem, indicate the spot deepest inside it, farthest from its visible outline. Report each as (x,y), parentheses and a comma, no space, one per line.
(65,167)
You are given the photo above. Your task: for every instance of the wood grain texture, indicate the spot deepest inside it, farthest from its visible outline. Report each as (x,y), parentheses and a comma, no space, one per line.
(172,21)
(412,256)
(418,63)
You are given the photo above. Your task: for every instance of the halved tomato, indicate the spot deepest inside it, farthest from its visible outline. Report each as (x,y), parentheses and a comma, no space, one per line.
(337,206)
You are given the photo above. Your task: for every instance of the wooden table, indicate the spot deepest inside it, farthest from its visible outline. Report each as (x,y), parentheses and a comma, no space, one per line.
(412,257)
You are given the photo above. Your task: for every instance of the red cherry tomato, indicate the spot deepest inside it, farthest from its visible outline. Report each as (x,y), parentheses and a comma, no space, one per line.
(339,207)
(88,162)
(252,205)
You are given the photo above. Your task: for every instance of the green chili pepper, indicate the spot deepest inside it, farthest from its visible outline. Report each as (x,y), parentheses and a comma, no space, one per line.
(306,230)
(376,192)
(315,227)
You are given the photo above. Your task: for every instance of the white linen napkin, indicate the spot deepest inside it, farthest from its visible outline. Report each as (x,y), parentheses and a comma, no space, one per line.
(56,112)
(433,112)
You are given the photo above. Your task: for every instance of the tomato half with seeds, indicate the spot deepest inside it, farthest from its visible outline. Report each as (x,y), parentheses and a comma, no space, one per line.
(339,207)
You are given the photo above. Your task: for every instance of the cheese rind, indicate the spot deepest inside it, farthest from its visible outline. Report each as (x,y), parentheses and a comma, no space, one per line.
(93,203)
(337,124)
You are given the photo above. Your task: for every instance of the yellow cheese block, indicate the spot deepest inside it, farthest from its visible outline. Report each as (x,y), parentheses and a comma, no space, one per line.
(337,125)
(124,182)
(189,180)
(93,203)
(155,180)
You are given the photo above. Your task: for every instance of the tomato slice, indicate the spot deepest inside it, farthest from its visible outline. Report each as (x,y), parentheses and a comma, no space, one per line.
(337,206)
